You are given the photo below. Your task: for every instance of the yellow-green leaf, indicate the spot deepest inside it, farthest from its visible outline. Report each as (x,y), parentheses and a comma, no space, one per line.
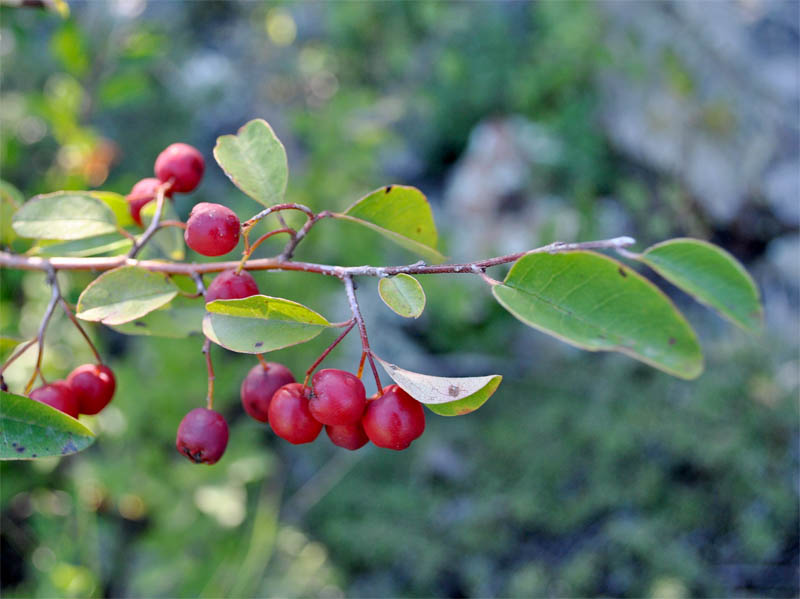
(403,294)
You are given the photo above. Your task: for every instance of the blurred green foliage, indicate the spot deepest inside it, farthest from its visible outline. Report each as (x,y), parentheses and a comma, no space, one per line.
(585,474)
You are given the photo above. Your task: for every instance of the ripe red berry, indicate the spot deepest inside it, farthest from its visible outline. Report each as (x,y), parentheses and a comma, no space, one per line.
(349,436)
(260,385)
(212,229)
(231,285)
(59,395)
(93,385)
(339,397)
(290,417)
(202,436)
(394,420)
(183,164)
(142,194)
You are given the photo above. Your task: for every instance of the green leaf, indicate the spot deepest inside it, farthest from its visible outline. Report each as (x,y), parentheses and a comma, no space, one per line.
(64,215)
(124,294)
(118,205)
(167,243)
(30,429)
(445,396)
(10,200)
(179,318)
(255,160)
(111,244)
(403,294)
(401,214)
(259,324)
(596,303)
(711,275)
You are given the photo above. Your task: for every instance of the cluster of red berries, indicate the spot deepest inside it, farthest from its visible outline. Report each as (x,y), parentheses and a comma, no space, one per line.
(87,390)
(212,229)
(336,400)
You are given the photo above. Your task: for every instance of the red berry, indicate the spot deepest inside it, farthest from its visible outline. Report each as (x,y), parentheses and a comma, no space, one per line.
(349,436)
(231,285)
(202,436)
(260,385)
(212,229)
(183,164)
(59,395)
(142,194)
(93,385)
(339,397)
(394,420)
(290,417)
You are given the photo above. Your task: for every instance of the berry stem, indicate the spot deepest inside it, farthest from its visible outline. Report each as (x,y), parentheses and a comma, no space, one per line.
(81,330)
(248,249)
(55,296)
(277,208)
(324,355)
(288,251)
(362,328)
(262,360)
(210,367)
(361,364)
(154,224)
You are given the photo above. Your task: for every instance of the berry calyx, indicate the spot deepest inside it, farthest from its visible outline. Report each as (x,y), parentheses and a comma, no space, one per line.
(349,436)
(181,163)
(212,229)
(339,397)
(93,385)
(290,417)
(202,436)
(260,385)
(58,395)
(394,420)
(142,194)
(232,285)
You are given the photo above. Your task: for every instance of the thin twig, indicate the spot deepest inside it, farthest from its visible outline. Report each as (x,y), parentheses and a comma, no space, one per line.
(180,268)
(210,367)
(324,355)
(55,296)
(21,350)
(161,192)
(78,326)
(249,249)
(288,251)
(277,208)
(362,328)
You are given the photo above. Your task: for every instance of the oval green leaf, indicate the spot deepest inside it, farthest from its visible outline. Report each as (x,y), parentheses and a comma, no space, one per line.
(255,160)
(64,215)
(596,303)
(259,324)
(30,429)
(110,244)
(403,294)
(711,275)
(180,318)
(124,294)
(399,213)
(446,396)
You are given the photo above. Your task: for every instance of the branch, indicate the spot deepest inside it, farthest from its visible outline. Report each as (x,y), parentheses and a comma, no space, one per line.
(362,329)
(55,297)
(190,269)
(154,224)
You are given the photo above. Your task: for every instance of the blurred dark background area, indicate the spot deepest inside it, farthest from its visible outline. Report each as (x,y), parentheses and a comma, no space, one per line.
(524,123)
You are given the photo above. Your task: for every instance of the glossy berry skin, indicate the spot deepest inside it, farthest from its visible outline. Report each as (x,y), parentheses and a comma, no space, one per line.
(58,395)
(339,397)
(93,385)
(260,385)
(202,436)
(212,229)
(394,420)
(142,194)
(231,285)
(349,436)
(290,417)
(183,164)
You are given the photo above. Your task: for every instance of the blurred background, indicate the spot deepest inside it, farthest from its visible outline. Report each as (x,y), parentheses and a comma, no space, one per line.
(586,474)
